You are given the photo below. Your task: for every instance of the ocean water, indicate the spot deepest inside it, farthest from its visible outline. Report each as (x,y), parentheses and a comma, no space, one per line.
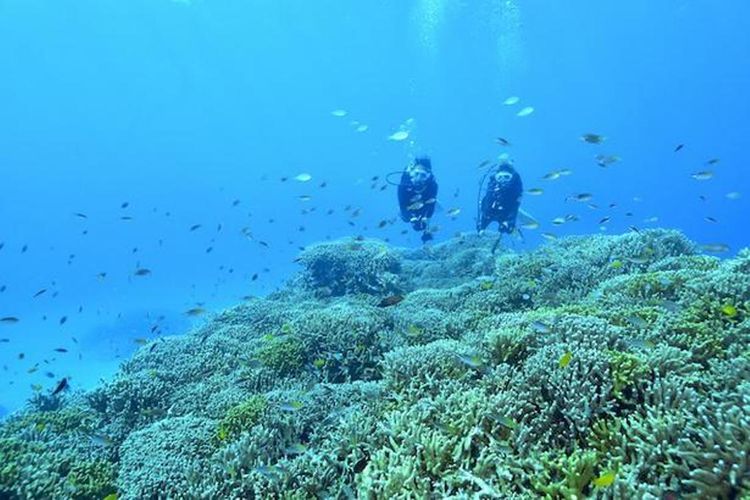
(181,108)
(167,135)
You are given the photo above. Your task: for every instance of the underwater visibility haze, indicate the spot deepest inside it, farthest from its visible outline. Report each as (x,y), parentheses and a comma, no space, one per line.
(239,254)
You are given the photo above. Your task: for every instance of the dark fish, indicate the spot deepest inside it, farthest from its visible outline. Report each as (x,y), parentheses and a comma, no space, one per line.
(24,248)
(81,215)
(263,243)
(679,147)
(125,204)
(255,277)
(502,141)
(593,138)
(40,292)
(63,320)
(195,226)
(382,224)
(4,341)
(391,300)
(142,272)
(126,217)
(209,249)
(9,320)
(235,203)
(60,349)
(195,311)
(61,386)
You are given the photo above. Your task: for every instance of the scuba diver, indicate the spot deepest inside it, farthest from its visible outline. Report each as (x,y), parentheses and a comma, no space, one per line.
(501,199)
(417,195)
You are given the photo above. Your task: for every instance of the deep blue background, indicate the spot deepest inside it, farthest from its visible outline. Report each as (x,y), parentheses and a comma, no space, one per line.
(181,108)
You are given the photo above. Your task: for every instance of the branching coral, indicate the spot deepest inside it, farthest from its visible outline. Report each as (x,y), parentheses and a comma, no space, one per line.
(241,417)
(350,267)
(158,458)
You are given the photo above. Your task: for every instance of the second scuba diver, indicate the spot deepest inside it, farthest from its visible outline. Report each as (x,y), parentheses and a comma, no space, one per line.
(417,195)
(501,199)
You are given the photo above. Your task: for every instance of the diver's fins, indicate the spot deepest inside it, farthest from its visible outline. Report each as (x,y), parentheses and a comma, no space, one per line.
(497,243)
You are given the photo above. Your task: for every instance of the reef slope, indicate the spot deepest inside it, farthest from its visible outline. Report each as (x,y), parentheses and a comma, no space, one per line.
(601,366)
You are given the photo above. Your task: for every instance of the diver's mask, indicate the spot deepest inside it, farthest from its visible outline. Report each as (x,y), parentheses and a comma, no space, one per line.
(503,177)
(418,174)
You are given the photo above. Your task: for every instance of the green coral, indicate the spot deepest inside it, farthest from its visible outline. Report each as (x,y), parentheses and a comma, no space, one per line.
(92,479)
(564,475)
(508,345)
(241,417)
(626,369)
(62,421)
(283,354)
(13,452)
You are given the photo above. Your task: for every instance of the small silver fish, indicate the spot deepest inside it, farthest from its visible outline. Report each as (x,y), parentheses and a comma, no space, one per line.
(703,175)
(540,327)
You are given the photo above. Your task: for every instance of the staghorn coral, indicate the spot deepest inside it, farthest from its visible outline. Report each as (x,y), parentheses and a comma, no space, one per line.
(158,457)
(282,354)
(346,338)
(626,369)
(241,417)
(423,369)
(349,267)
(48,454)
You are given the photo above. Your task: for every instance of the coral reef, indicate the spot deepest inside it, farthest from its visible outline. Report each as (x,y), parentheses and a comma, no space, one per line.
(600,366)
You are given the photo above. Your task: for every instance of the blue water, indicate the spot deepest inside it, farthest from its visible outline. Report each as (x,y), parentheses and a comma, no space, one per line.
(181,108)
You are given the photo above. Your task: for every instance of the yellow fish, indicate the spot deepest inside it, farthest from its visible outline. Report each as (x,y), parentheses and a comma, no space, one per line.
(729,310)
(615,264)
(565,359)
(605,479)
(319,363)
(485,285)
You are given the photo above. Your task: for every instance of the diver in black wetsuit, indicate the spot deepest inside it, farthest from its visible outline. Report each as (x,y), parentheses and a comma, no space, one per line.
(417,195)
(501,199)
